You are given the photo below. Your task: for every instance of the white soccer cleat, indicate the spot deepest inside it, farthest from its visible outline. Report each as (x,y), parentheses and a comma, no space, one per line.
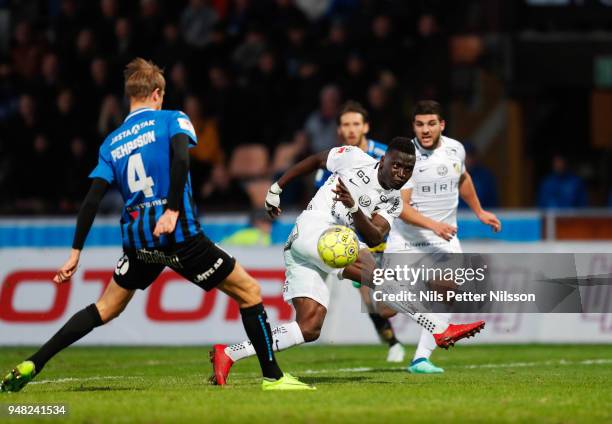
(396,353)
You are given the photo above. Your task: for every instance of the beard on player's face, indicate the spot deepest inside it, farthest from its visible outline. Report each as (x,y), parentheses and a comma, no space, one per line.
(430,140)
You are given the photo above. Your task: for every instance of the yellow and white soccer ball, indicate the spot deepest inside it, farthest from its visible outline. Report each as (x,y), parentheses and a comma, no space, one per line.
(338,246)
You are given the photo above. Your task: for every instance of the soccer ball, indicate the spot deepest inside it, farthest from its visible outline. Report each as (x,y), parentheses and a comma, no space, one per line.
(338,246)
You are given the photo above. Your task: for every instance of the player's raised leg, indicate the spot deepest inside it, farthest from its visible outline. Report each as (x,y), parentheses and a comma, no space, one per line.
(243,288)
(445,334)
(111,304)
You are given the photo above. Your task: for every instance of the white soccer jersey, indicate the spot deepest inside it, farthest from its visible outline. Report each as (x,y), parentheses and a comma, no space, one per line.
(359,172)
(435,191)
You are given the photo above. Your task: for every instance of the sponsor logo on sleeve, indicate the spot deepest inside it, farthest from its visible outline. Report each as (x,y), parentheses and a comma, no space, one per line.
(186,124)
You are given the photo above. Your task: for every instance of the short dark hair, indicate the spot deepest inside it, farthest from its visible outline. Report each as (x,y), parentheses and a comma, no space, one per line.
(427,107)
(402,144)
(353,106)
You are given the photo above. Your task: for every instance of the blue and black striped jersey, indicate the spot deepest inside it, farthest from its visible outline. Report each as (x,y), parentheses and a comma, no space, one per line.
(375,149)
(136,159)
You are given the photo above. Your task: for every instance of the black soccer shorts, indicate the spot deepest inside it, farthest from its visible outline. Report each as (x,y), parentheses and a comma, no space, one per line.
(198,259)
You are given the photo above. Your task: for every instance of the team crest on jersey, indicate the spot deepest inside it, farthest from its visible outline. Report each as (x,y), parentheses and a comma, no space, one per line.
(365,201)
(457,167)
(123,265)
(442,170)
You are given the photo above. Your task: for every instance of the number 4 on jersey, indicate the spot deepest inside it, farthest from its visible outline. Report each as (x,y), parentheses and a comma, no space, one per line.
(137,177)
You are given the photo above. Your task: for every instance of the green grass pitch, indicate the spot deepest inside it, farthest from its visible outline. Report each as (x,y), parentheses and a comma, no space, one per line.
(500,383)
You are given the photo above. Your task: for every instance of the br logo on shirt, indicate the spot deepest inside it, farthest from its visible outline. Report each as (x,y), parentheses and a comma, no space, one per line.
(123,265)
(442,170)
(365,201)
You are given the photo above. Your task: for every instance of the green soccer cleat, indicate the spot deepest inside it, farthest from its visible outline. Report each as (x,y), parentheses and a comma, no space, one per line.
(286,382)
(21,375)
(424,366)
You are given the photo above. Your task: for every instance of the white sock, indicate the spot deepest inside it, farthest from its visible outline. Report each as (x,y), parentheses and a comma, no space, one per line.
(434,323)
(427,343)
(284,336)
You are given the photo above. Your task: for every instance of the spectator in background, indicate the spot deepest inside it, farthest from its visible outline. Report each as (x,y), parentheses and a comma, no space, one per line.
(68,120)
(207,154)
(208,150)
(197,22)
(258,233)
(22,128)
(37,191)
(125,47)
(484,180)
(321,124)
(221,192)
(356,77)
(297,50)
(224,101)
(431,60)
(267,90)
(79,63)
(240,15)
(178,88)
(66,26)
(172,49)
(25,52)
(383,48)
(334,50)
(148,26)
(304,87)
(100,86)
(247,54)
(111,116)
(216,51)
(562,188)
(49,81)
(385,120)
(105,26)
(74,181)
(283,14)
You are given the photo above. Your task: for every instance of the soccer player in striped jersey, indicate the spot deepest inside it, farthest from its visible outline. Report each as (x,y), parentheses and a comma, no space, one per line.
(147,159)
(353,127)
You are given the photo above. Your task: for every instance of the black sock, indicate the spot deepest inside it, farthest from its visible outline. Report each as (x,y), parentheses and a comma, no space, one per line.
(384,329)
(256,325)
(77,327)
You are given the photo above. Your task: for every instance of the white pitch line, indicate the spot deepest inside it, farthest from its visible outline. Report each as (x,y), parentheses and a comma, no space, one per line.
(598,361)
(71,379)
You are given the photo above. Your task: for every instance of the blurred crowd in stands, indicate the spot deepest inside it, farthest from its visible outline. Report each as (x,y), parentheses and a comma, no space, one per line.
(262,81)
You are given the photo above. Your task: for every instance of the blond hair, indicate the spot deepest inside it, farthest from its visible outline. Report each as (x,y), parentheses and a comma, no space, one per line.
(142,78)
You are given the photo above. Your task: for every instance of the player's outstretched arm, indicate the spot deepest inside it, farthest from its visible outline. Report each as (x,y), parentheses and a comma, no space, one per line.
(467,191)
(372,230)
(87,214)
(304,167)
(179,170)
(411,216)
